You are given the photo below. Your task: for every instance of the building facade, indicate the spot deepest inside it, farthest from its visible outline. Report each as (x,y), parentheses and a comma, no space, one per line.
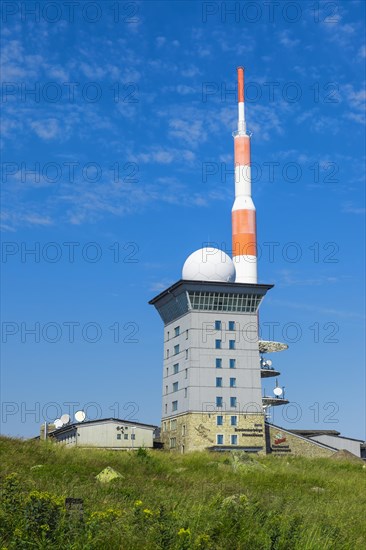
(212,396)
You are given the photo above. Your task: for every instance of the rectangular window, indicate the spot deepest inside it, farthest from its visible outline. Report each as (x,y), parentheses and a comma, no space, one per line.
(231,325)
(185,392)
(219,439)
(186,371)
(119,436)
(186,354)
(231,344)
(164,428)
(126,436)
(133,436)
(218,401)
(232,401)
(173,442)
(166,389)
(232,382)
(173,424)
(218,344)
(175,406)
(186,334)
(176,331)
(176,368)
(233,420)
(183,429)
(219,420)
(234,439)
(176,349)
(232,363)
(166,408)
(167,353)
(167,371)
(218,363)
(167,335)
(175,386)
(218,382)
(217,325)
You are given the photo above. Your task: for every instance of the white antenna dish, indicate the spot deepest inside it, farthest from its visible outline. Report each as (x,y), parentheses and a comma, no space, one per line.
(58,423)
(269,362)
(278,391)
(65,418)
(80,416)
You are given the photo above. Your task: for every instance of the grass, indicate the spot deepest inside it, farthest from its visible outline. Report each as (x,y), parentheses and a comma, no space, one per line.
(198,500)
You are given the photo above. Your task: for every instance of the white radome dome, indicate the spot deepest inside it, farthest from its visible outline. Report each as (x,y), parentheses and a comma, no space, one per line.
(209,264)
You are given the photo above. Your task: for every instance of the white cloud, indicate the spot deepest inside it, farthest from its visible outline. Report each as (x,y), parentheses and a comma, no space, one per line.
(286,40)
(46,129)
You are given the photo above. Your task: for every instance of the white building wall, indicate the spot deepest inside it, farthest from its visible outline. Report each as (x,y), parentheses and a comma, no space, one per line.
(339,443)
(197,362)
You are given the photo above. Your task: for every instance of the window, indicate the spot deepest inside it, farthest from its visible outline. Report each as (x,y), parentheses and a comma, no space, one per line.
(186,334)
(167,371)
(183,429)
(166,408)
(232,382)
(186,354)
(175,406)
(217,325)
(218,344)
(232,363)
(186,373)
(219,420)
(133,436)
(167,335)
(232,401)
(218,382)
(234,439)
(233,420)
(126,436)
(175,386)
(167,353)
(164,428)
(176,331)
(219,439)
(231,344)
(218,401)
(173,424)
(176,368)
(166,389)
(231,325)
(176,349)
(218,363)
(173,442)
(185,392)
(119,436)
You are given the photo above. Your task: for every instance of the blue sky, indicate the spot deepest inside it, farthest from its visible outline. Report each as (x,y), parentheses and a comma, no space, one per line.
(128,135)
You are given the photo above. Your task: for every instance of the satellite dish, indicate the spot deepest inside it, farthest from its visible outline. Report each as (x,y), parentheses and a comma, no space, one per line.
(58,423)
(269,362)
(80,416)
(278,391)
(65,418)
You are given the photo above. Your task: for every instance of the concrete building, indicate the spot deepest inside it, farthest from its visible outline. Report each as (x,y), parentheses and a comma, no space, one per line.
(212,393)
(333,438)
(106,433)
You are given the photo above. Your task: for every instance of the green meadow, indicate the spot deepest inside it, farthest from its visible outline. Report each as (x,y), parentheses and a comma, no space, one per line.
(163,501)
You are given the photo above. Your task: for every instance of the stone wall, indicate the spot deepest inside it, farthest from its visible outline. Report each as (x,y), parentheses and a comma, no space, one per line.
(280,442)
(198,431)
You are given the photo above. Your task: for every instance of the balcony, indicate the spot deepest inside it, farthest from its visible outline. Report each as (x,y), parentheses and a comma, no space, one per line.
(274,401)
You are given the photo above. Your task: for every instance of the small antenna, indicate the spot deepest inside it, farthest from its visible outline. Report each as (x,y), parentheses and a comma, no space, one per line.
(80,416)
(65,418)
(277,391)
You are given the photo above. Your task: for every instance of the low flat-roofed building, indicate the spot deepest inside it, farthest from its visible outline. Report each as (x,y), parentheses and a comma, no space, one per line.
(333,438)
(106,433)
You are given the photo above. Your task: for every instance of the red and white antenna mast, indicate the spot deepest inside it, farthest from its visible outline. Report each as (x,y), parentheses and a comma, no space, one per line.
(244,239)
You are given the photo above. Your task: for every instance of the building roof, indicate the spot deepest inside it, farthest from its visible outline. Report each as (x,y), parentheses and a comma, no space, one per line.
(212,286)
(310,433)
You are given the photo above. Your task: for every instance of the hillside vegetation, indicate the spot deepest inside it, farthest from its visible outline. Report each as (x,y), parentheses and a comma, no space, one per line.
(165,501)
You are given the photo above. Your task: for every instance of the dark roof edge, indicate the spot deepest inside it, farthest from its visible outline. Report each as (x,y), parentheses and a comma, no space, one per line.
(209,283)
(101,420)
